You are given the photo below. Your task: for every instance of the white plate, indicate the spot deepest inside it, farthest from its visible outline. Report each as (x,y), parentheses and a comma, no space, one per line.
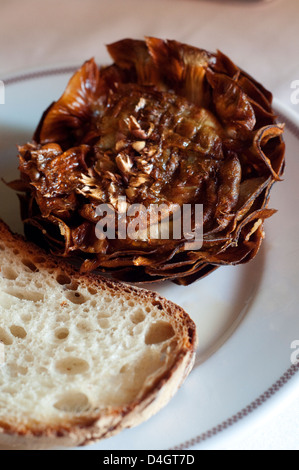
(247,316)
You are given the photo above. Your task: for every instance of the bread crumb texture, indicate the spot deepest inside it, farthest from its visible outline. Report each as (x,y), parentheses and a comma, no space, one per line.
(76,346)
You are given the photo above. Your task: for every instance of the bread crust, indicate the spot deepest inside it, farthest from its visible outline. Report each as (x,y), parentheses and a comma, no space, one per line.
(90,427)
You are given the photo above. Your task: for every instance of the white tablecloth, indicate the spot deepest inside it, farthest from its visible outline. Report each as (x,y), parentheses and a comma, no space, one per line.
(261,37)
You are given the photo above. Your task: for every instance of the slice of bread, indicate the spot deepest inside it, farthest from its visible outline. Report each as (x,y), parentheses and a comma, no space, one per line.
(81,357)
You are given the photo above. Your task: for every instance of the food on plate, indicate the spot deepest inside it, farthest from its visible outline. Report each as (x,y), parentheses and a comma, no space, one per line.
(82,357)
(167,125)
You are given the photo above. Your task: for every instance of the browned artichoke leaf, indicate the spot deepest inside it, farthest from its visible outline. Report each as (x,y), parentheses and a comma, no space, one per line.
(144,275)
(233,255)
(79,238)
(134,54)
(18,185)
(251,223)
(33,158)
(238,246)
(83,238)
(158,63)
(183,67)
(228,193)
(50,232)
(254,92)
(223,64)
(263,117)
(250,190)
(182,271)
(270,152)
(63,120)
(58,205)
(201,272)
(232,104)
(55,175)
(65,232)
(58,173)
(176,264)
(264,91)
(257,94)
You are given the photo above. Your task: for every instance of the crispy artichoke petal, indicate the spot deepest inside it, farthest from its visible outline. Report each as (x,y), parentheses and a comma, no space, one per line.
(269,154)
(182,67)
(232,104)
(65,117)
(134,55)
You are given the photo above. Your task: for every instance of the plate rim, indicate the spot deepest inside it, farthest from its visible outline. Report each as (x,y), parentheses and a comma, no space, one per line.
(291,119)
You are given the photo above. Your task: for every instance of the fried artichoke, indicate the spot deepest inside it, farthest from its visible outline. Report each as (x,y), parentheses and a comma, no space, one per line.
(165,123)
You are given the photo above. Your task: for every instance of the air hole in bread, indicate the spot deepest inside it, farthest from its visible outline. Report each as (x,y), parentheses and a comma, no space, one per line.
(72,366)
(9,273)
(10,390)
(63,279)
(26,295)
(138,316)
(16,370)
(73,402)
(104,323)
(156,303)
(62,333)
(73,285)
(29,264)
(104,314)
(124,368)
(84,326)
(92,291)
(159,332)
(18,331)
(5,337)
(29,358)
(75,297)
(26,317)
(64,317)
(2,248)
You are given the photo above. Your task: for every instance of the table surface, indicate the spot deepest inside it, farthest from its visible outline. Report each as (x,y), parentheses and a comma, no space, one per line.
(260,36)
